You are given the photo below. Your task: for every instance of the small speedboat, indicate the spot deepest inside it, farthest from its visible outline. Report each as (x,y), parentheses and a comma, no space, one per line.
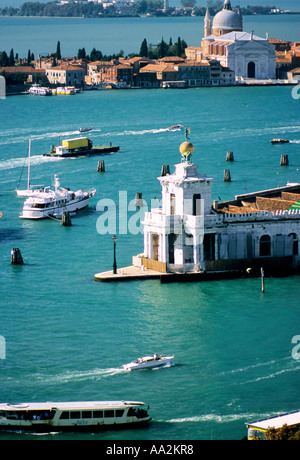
(279,141)
(148,362)
(175,128)
(85,130)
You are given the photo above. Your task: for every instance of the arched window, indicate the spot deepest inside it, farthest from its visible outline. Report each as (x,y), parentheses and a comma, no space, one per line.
(265,246)
(295,243)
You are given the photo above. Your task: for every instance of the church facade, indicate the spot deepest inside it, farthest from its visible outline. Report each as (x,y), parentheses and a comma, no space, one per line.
(248,55)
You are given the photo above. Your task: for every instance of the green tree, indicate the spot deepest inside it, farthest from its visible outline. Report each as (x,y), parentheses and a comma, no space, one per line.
(58,52)
(3,59)
(11,59)
(144,49)
(162,49)
(96,55)
(81,53)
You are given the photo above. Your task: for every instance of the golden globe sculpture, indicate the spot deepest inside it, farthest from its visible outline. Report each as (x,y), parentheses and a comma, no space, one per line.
(186,149)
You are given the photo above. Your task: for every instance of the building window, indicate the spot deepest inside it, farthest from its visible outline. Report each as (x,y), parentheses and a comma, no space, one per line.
(265,246)
(196,204)
(295,243)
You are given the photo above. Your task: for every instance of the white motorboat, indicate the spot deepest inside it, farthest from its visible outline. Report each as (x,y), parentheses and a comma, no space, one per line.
(85,130)
(175,128)
(89,416)
(52,203)
(31,189)
(38,90)
(148,362)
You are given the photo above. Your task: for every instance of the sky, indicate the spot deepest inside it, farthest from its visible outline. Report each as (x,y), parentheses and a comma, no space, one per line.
(283,4)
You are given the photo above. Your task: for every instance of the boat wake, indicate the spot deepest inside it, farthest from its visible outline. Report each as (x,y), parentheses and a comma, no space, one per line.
(12,137)
(141,132)
(23,162)
(95,374)
(264,370)
(217,418)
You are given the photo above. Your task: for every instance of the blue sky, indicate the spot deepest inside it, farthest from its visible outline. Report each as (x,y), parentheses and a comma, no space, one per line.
(283,4)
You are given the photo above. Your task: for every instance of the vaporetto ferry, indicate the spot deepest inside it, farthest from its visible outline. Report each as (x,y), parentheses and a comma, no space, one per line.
(91,416)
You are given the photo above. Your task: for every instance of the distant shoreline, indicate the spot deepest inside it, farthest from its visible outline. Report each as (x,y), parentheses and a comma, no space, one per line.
(118,16)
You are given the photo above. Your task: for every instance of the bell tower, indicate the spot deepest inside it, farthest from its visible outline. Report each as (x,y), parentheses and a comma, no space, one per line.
(207,23)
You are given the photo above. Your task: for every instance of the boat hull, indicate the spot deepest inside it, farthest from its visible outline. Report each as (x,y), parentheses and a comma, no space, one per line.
(55,211)
(149,364)
(76,428)
(100,150)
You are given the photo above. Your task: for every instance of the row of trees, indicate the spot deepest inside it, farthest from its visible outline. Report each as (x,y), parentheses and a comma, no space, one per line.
(161,50)
(139,7)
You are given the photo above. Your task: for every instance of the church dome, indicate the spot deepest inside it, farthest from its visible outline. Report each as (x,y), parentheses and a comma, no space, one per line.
(227,20)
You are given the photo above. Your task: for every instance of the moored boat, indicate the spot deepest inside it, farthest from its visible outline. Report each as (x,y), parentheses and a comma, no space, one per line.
(38,90)
(53,203)
(90,416)
(80,146)
(148,362)
(280,141)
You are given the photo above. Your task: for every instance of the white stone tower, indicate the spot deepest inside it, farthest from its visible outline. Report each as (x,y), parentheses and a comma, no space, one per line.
(174,233)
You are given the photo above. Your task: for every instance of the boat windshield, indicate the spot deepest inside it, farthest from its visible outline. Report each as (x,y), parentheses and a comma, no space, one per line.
(137,412)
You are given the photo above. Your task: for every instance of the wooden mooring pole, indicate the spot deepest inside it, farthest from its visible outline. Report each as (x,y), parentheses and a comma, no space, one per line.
(101,166)
(227,177)
(139,200)
(16,257)
(284,160)
(229,156)
(262,279)
(66,219)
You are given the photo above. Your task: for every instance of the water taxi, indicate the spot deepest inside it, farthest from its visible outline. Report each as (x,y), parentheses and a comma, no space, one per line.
(175,128)
(88,416)
(148,362)
(52,203)
(280,141)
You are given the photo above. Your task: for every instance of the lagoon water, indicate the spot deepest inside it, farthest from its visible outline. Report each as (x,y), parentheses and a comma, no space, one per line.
(67,336)
(111,35)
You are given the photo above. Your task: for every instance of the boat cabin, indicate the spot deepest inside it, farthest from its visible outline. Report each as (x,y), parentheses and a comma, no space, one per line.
(71,416)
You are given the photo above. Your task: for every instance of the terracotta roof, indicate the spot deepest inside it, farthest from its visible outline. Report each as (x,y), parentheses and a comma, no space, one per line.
(21,69)
(193,64)
(172,59)
(157,68)
(66,67)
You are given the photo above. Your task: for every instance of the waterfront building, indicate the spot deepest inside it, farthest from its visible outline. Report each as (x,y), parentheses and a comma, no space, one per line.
(248,55)
(189,233)
(166,73)
(66,74)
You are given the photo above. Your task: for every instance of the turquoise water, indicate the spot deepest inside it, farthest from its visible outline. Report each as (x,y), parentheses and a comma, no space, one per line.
(67,336)
(40,35)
